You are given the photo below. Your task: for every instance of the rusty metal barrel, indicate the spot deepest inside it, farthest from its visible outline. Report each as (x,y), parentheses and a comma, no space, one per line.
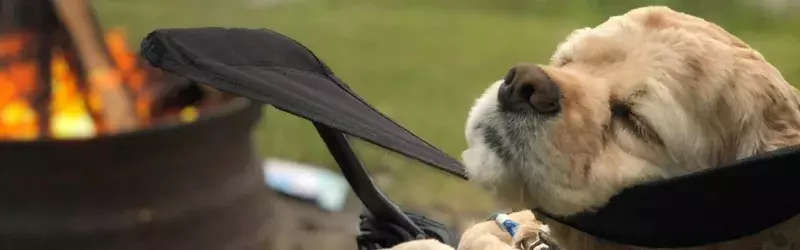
(196,186)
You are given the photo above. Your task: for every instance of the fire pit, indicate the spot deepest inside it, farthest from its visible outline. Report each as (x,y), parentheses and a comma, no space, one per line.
(100,151)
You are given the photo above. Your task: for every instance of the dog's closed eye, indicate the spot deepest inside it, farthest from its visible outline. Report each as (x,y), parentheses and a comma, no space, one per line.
(621,112)
(620,109)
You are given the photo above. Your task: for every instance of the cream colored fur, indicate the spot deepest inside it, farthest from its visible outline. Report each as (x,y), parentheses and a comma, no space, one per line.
(428,244)
(708,97)
(485,236)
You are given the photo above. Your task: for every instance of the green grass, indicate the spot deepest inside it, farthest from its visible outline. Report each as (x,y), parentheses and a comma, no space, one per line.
(422,65)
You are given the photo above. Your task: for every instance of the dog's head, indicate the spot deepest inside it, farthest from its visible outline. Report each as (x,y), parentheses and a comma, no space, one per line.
(650,94)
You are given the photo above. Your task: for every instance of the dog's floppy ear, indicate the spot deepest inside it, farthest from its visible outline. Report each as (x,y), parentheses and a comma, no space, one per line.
(773,105)
(782,118)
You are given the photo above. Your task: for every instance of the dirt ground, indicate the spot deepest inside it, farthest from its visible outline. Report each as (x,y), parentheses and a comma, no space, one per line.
(301,225)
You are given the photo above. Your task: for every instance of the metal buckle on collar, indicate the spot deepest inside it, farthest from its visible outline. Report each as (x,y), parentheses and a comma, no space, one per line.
(543,242)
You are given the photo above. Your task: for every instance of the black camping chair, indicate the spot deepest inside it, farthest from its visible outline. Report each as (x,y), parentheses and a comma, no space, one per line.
(701,208)
(298,83)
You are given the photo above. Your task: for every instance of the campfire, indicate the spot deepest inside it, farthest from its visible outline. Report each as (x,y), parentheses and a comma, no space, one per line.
(183,176)
(61,78)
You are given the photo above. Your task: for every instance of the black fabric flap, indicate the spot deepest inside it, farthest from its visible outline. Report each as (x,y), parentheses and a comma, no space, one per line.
(716,205)
(268,67)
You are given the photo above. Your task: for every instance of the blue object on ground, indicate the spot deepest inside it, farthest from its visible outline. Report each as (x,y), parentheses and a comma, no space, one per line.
(328,189)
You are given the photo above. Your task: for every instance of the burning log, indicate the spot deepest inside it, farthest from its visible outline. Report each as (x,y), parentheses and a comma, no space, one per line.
(102,73)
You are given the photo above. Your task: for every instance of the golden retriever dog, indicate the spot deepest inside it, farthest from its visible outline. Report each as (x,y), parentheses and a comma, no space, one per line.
(647,95)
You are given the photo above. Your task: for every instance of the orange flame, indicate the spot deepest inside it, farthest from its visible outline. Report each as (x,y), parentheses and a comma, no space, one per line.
(17,82)
(73,111)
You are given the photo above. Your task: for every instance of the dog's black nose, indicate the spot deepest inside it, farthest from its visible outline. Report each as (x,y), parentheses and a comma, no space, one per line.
(528,87)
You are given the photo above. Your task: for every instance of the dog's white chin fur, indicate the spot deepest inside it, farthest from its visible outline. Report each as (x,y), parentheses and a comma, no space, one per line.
(481,163)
